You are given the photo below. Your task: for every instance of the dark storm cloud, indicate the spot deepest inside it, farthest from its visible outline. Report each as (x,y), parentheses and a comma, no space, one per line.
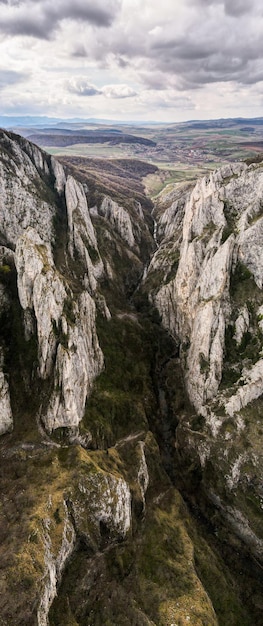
(217,41)
(27,26)
(40,19)
(9,77)
(221,48)
(183,48)
(100,14)
(193,71)
(238,7)
(231,7)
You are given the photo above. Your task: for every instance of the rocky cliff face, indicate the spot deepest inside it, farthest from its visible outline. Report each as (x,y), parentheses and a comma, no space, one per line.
(67,343)
(94,530)
(212,306)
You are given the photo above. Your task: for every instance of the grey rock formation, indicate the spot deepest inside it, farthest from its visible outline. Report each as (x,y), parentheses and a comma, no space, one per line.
(81,232)
(23,195)
(79,360)
(66,331)
(54,564)
(6,419)
(41,291)
(119,218)
(108,501)
(211,304)
(33,186)
(196,304)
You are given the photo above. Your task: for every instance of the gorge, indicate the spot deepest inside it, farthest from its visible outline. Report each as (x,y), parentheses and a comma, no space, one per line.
(131,381)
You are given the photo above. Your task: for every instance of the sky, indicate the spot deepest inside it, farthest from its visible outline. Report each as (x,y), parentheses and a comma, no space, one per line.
(161,60)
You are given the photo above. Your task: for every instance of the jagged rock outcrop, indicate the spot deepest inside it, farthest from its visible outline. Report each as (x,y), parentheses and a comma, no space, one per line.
(66,331)
(119,218)
(124,593)
(82,238)
(196,304)
(34,189)
(23,198)
(143,474)
(6,416)
(96,499)
(41,293)
(109,501)
(211,304)
(79,360)
(6,419)
(54,563)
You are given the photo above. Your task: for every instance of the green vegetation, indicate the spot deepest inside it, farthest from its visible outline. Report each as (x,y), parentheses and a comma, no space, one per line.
(227,231)
(93,253)
(4,269)
(243,287)
(231,218)
(204,363)
(248,350)
(123,394)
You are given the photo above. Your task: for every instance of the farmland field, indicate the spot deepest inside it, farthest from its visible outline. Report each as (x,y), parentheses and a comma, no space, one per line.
(180,151)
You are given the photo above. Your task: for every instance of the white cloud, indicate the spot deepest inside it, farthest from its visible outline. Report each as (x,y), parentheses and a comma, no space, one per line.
(157,30)
(119,91)
(82,87)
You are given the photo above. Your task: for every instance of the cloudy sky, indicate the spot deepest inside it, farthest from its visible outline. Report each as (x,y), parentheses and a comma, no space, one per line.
(164,60)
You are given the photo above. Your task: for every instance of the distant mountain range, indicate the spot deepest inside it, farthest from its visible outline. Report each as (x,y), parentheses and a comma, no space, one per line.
(43,121)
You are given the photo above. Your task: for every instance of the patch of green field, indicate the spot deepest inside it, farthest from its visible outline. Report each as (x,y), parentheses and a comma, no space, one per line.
(170,175)
(89,150)
(225,131)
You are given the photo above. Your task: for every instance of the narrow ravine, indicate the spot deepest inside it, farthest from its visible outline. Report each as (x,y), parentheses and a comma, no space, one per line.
(106,584)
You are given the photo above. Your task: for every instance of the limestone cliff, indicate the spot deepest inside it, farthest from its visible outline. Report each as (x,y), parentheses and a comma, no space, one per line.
(35,197)
(119,218)
(66,331)
(211,303)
